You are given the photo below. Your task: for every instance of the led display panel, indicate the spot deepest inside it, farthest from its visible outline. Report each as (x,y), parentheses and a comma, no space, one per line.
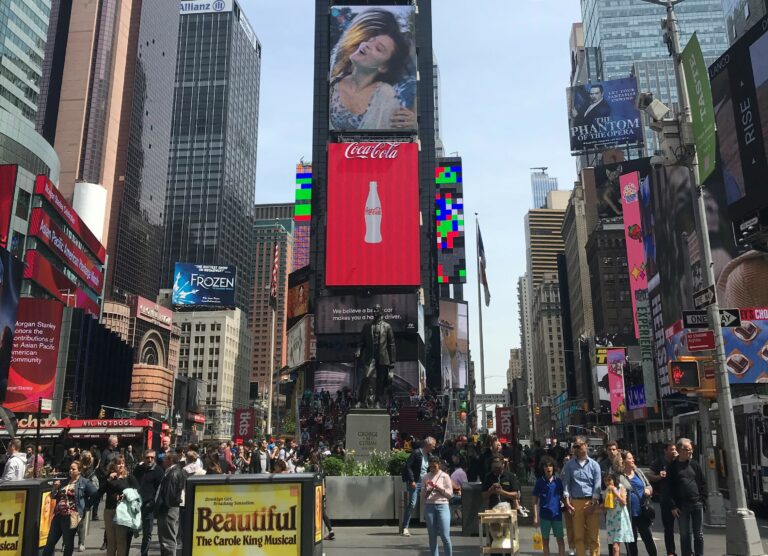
(372,215)
(449,216)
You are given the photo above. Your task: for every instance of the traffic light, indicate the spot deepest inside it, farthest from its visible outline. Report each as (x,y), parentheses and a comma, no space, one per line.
(68,406)
(536,409)
(102,413)
(489,423)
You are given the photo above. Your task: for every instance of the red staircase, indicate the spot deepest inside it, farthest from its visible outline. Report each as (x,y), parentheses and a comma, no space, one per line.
(419,429)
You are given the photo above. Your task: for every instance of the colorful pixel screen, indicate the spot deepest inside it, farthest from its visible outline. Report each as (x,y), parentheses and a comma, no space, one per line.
(302,215)
(449,214)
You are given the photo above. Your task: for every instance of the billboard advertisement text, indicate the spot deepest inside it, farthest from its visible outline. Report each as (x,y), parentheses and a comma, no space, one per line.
(373,215)
(243,519)
(616,359)
(35,353)
(454,343)
(198,284)
(373,68)
(345,314)
(245,421)
(603,115)
(505,425)
(11,270)
(13,512)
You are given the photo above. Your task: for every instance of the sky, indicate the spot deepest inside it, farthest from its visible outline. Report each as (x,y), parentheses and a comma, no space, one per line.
(504,66)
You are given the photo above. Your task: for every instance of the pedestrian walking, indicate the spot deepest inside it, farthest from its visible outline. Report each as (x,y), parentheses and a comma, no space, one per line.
(89,473)
(618,523)
(582,480)
(413,472)
(149,475)
(116,482)
(167,504)
(688,493)
(16,464)
(547,513)
(659,479)
(73,501)
(438,491)
(639,491)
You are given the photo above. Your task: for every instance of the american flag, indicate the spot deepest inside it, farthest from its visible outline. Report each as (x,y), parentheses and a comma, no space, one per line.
(481,263)
(273,280)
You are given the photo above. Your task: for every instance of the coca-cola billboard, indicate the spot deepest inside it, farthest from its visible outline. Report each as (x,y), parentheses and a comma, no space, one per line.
(373,215)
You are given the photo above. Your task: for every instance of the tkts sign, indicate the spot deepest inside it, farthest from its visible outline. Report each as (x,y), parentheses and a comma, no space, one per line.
(244,422)
(505,424)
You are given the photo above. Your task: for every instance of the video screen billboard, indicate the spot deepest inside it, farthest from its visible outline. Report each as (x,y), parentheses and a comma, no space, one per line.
(35,353)
(373,217)
(298,300)
(739,80)
(600,378)
(449,214)
(373,68)
(606,196)
(11,271)
(616,358)
(407,377)
(603,115)
(203,285)
(454,343)
(346,314)
(633,237)
(7,190)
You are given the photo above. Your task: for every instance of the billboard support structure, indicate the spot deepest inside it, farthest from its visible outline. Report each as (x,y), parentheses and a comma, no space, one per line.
(742,534)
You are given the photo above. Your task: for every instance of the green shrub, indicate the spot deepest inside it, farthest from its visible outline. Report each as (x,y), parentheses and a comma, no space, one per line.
(376,466)
(397,461)
(333,466)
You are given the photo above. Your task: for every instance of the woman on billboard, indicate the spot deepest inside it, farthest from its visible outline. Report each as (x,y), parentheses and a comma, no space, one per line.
(370,75)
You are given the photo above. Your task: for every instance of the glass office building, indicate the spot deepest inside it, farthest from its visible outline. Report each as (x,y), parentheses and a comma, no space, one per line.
(541,184)
(212,164)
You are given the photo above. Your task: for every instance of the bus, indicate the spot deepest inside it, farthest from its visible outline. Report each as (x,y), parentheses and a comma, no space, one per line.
(751,417)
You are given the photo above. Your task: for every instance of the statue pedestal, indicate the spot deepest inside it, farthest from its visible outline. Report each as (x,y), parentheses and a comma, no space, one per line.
(368,431)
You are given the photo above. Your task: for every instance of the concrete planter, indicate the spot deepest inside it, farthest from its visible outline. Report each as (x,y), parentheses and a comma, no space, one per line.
(361,498)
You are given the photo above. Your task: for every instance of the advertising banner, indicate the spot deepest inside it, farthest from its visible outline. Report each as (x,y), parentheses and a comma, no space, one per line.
(204,285)
(35,353)
(44,187)
(505,424)
(301,342)
(449,215)
(247,520)
(245,420)
(601,381)
(346,314)
(607,195)
(739,82)
(7,190)
(636,397)
(633,235)
(11,271)
(13,505)
(42,227)
(454,343)
(336,376)
(373,216)
(702,112)
(44,274)
(363,39)
(616,359)
(298,300)
(603,115)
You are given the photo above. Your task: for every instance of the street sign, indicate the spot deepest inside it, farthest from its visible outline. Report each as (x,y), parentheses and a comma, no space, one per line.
(704,298)
(695,319)
(730,318)
(701,341)
(490,399)
(46,405)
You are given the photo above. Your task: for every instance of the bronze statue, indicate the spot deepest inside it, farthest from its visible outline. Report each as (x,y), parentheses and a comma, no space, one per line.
(376,356)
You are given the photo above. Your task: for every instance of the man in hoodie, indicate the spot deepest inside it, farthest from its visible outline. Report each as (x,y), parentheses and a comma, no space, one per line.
(149,475)
(167,503)
(16,465)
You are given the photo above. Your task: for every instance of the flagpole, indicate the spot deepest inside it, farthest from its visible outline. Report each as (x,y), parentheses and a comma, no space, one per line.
(480,320)
(271,370)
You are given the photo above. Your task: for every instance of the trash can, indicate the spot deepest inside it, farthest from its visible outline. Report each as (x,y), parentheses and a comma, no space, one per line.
(471,505)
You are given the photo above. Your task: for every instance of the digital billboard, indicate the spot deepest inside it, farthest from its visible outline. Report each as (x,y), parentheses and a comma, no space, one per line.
(739,80)
(11,271)
(449,216)
(346,314)
(373,217)
(454,343)
(331,377)
(302,216)
(35,353)
(298,300)
(603,397)
(7,190)
(633,236)
(607,193)
(616,358)
(603,115)
(203,285)
(373,73)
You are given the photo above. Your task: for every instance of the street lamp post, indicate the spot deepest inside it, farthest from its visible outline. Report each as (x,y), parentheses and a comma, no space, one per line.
(742,534)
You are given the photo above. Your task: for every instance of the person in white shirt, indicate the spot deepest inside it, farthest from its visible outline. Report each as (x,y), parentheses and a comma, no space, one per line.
(16,465)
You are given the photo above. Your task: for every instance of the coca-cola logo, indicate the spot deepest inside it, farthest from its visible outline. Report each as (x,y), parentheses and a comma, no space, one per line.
(371,150)
(373,211)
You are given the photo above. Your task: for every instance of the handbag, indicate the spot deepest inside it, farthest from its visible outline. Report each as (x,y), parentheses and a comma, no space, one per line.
(647,512)
(74,520)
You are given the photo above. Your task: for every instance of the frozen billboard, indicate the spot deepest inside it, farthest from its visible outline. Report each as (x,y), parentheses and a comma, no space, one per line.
(373,215)
(373,68)
(203,285)
(602,115)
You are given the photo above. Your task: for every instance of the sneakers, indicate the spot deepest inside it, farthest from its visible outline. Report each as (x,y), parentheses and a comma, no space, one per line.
(81,548)
(330,536)
(522,511)
(405,533)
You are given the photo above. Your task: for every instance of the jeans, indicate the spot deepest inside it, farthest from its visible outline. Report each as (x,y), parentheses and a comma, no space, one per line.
(147,521)
(691,522)
(668,520)
(413,497)
(168,530)
(642,526)
(60,528)
(438,518)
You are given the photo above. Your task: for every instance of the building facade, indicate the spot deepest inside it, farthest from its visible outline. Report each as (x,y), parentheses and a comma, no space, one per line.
(272,226)
(215,347)
(541,184)
(212,164)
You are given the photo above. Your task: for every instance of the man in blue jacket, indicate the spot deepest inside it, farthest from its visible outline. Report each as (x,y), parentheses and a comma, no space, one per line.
(413,473)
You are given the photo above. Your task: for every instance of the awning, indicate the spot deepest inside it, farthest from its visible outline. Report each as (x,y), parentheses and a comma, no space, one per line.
(30,433)
(103,432)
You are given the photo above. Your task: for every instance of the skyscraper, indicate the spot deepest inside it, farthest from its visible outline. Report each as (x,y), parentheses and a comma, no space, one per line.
(105,106)
(212,164)
(541,184)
